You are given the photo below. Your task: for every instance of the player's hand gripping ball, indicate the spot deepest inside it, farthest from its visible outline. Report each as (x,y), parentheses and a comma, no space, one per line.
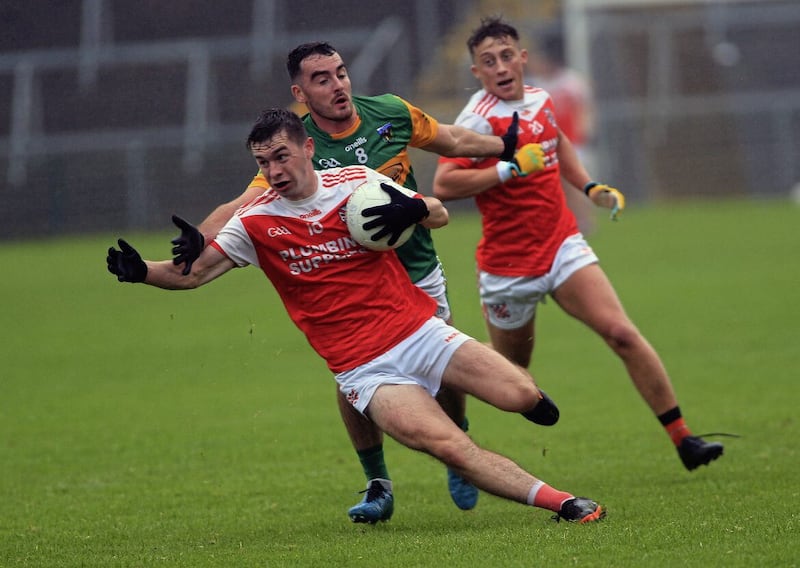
(382,215)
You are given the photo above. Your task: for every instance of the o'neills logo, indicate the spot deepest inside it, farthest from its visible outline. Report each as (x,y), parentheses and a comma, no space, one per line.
(451,337)
(313,213)
(360,141)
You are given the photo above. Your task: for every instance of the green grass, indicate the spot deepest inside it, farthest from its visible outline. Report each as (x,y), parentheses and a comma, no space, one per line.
(140,427)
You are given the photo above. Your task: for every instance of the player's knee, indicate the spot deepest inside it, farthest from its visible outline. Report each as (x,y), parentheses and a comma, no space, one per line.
(622,336)
(519,398)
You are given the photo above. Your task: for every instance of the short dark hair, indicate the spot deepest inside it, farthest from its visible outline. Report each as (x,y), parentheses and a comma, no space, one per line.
(274,120)
(493,26)
(299,53)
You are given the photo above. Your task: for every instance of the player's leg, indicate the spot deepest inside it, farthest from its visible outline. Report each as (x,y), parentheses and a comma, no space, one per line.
(516,344)
(453,402)
(486,374)
(367,439)
(509,309)
(462,492)
(413,418)
(588,296)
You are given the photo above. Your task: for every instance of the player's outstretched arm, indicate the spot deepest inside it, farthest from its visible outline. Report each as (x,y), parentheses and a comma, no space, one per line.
(457,141)
(452,181)
(128,266)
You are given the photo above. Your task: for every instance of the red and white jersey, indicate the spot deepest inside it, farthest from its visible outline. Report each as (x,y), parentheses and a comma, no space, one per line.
(525,219)
(352,303)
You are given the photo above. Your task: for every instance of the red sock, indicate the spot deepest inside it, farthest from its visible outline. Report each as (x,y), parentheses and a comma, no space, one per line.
(544,496)
(677,430)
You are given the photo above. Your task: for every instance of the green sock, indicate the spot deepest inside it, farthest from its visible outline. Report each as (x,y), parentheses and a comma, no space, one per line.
(372,461)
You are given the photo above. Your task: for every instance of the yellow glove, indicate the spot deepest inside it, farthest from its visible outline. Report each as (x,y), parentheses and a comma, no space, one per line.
(528,159)
(605,196)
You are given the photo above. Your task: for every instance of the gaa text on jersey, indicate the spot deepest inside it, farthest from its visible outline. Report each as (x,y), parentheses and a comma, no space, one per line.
(278,231)
(326,163)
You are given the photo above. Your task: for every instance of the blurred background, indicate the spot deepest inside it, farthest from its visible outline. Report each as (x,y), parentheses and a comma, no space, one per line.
(116,113)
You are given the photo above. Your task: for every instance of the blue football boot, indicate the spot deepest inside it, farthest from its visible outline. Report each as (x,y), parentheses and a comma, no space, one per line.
(377,504)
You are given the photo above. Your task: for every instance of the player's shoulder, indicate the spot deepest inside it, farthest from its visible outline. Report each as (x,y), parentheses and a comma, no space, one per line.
(264,200)
(385,98)
(378,101)
(484,104)
(532,93)
(385,106)
(313,130)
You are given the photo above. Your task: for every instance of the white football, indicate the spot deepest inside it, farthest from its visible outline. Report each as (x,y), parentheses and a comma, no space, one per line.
(369,194)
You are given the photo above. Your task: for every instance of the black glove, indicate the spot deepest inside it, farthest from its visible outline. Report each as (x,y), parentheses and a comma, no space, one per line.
(510,140)
(188,245)
(126,264)
(397,216)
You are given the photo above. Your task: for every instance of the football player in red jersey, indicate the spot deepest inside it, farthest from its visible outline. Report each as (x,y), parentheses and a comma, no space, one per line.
(375,131)
(389,352)
(538,250)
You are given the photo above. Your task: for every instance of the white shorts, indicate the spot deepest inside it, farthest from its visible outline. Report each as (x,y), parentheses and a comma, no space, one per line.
(420,359)
(509,302)
(435,286)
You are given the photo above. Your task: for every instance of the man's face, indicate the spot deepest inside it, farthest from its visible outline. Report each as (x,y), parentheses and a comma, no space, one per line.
(499,64)
(324,86)
(287,165)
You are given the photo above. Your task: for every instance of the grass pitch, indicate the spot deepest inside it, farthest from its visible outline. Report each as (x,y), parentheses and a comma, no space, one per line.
(141,427)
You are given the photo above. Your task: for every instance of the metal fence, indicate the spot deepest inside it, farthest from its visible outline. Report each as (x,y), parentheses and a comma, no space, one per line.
(120,112)
(694,98)
(114,114)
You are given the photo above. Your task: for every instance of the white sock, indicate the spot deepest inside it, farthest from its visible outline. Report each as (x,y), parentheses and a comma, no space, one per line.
(534,490)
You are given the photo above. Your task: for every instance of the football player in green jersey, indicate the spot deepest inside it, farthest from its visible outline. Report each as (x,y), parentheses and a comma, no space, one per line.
(376,132)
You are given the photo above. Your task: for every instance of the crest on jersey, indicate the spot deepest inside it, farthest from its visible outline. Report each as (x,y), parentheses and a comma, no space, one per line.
(386,131)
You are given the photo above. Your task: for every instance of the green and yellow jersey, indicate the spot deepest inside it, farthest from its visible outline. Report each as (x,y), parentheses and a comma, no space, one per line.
(379,139)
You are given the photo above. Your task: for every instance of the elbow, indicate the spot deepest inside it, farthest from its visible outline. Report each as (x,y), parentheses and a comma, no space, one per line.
(191,283)
(195,279)
(183,283)
(444,185)
(443,193)
(179,281)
